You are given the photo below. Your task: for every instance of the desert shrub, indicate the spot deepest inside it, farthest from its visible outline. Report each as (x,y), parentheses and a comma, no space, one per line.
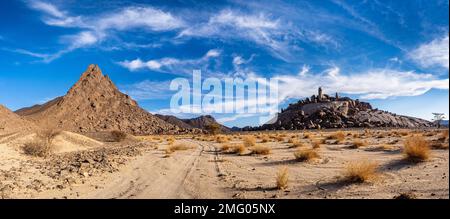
(315,144)
(291,140)
(361,171)
(306,135)
(416,149)
(265,139)
(177,147)
(305,154)
(443,136)
(338,136)
(279,138)
(222,139)
(260,149)
(42,146)
(47,135)
(225,147)
(357,143)
(296,144)
(38,148)
(238,149)
(249,141)
(282,178)
(118,136)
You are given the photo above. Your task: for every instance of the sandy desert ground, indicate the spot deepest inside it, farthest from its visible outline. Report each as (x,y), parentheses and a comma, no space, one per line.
(204,166)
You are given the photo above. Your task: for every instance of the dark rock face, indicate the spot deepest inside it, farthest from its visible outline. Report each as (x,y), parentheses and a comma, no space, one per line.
(323,111)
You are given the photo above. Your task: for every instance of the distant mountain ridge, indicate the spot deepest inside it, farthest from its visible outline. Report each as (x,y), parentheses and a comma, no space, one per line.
(200,122)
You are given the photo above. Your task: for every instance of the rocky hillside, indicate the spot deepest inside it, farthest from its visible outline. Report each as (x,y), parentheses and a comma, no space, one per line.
(200,122)
(324,111)
(95,104)
(11,122)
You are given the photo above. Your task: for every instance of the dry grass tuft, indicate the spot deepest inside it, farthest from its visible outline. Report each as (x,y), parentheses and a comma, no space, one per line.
(249,141)
(282,178)
(361,171)
(357,143)
(222,139)
(338,136)
(239,149)
(234,149)
(305,154)
(280,138)
(416,149)
(316,144)
(307,136)
(443,136)
(260,149)
(296,144)
(265,139)
(177,147)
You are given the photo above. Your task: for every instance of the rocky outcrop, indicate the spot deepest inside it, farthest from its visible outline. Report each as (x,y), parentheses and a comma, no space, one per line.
(324,111)
(95,104)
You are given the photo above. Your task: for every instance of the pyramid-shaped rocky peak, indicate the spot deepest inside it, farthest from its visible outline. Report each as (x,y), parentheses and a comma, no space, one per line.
(95,104)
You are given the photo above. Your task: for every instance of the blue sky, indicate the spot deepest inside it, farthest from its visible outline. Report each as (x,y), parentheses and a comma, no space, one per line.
(393,54)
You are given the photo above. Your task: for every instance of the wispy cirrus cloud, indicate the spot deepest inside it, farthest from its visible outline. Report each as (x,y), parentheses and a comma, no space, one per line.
(278,36)
(434,53)
(97,28)
(171,65)
(148,90)
(370,84)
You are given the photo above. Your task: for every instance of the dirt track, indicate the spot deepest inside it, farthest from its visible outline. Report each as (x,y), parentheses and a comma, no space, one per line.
(152,176)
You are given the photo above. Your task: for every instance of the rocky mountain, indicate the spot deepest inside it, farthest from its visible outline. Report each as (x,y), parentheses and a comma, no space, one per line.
(11,122)
(174,120)
(95,104)
(325,111)
(200,122)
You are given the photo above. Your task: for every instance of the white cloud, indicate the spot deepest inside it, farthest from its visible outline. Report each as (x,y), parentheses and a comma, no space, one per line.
(257,28)
(371,84)
(171,65)
(99,27)
(434,53)
(47,8)
(304,71)
(148,90)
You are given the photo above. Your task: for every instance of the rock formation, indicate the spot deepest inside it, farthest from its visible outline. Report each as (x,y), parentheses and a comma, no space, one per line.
(324,111)
(95,104)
